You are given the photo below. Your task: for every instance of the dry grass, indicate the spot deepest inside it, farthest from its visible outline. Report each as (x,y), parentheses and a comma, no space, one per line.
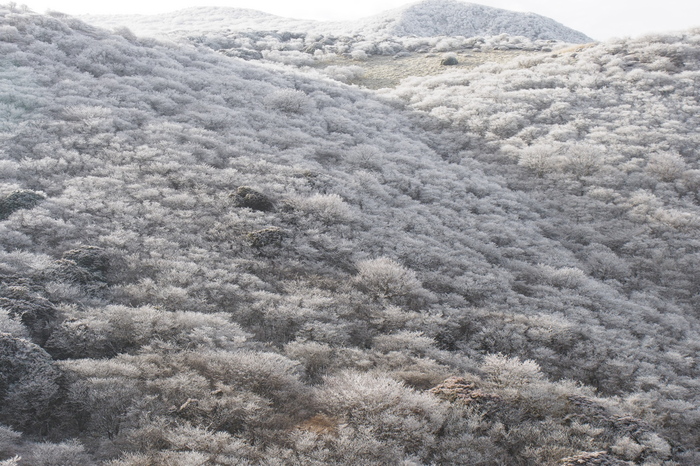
(386,71)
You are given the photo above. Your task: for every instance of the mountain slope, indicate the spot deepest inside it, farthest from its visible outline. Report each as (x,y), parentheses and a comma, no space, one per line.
(207,259)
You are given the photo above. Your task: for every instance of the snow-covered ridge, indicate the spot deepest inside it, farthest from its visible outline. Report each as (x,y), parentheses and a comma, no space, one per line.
(429,18)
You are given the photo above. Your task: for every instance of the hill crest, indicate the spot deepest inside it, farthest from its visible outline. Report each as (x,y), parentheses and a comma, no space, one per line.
(456,18)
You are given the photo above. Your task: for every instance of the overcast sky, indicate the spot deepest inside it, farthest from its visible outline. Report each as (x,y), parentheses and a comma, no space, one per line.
(600,19)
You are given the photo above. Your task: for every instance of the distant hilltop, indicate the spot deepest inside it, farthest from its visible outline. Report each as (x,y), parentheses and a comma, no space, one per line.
(429,18)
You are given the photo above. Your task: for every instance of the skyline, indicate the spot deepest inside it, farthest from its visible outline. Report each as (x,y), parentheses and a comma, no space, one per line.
(599,19)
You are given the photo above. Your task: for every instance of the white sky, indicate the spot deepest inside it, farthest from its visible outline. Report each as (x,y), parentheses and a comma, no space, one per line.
(600,19)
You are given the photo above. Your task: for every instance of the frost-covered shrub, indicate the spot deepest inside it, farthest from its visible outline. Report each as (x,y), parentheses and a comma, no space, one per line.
(19,200)
(399,416)
(11,326)
(100,332)
(510,372)
(36,313)
(266,374)
(539,159)
(667,166)
(407,342)
(9,441)
(386,278)
(582,160)
(70,453)
(359,55)
(365,156)
(291,57)
(317,358)
(9,34)
(344,74)
(605,264)
(289,101)
(329,208)
(567,277)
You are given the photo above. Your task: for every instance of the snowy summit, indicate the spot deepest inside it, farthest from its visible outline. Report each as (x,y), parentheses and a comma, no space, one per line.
(429,18)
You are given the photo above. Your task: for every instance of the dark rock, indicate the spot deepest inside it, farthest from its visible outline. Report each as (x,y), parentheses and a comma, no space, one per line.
(458,389)
(90,258)
(248,197)
(587,411)
(87,266)
(245,54)
(272,236)
(449,61)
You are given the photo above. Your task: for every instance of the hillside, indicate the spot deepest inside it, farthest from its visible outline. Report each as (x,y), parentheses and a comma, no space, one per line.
(208,260)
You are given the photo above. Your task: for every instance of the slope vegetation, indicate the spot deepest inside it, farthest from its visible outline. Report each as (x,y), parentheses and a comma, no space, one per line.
(211,260)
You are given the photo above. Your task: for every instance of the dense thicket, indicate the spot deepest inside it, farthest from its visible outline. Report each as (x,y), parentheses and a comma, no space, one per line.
(226,262)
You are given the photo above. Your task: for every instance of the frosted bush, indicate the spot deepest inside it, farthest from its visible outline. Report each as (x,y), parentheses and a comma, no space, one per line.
(359,55)
(344,74)
(396,414)
(603,194)
(566,277)
(386,278)
(605,264)
(113,329)
(9,441)
(11,326)
(510,372)
(326,207)
(667,166)
(9,34)
(539,159)
(405,342)
(291,57)
(365,156)
(628,449)
(289,101)
(446,45)
(70,453)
